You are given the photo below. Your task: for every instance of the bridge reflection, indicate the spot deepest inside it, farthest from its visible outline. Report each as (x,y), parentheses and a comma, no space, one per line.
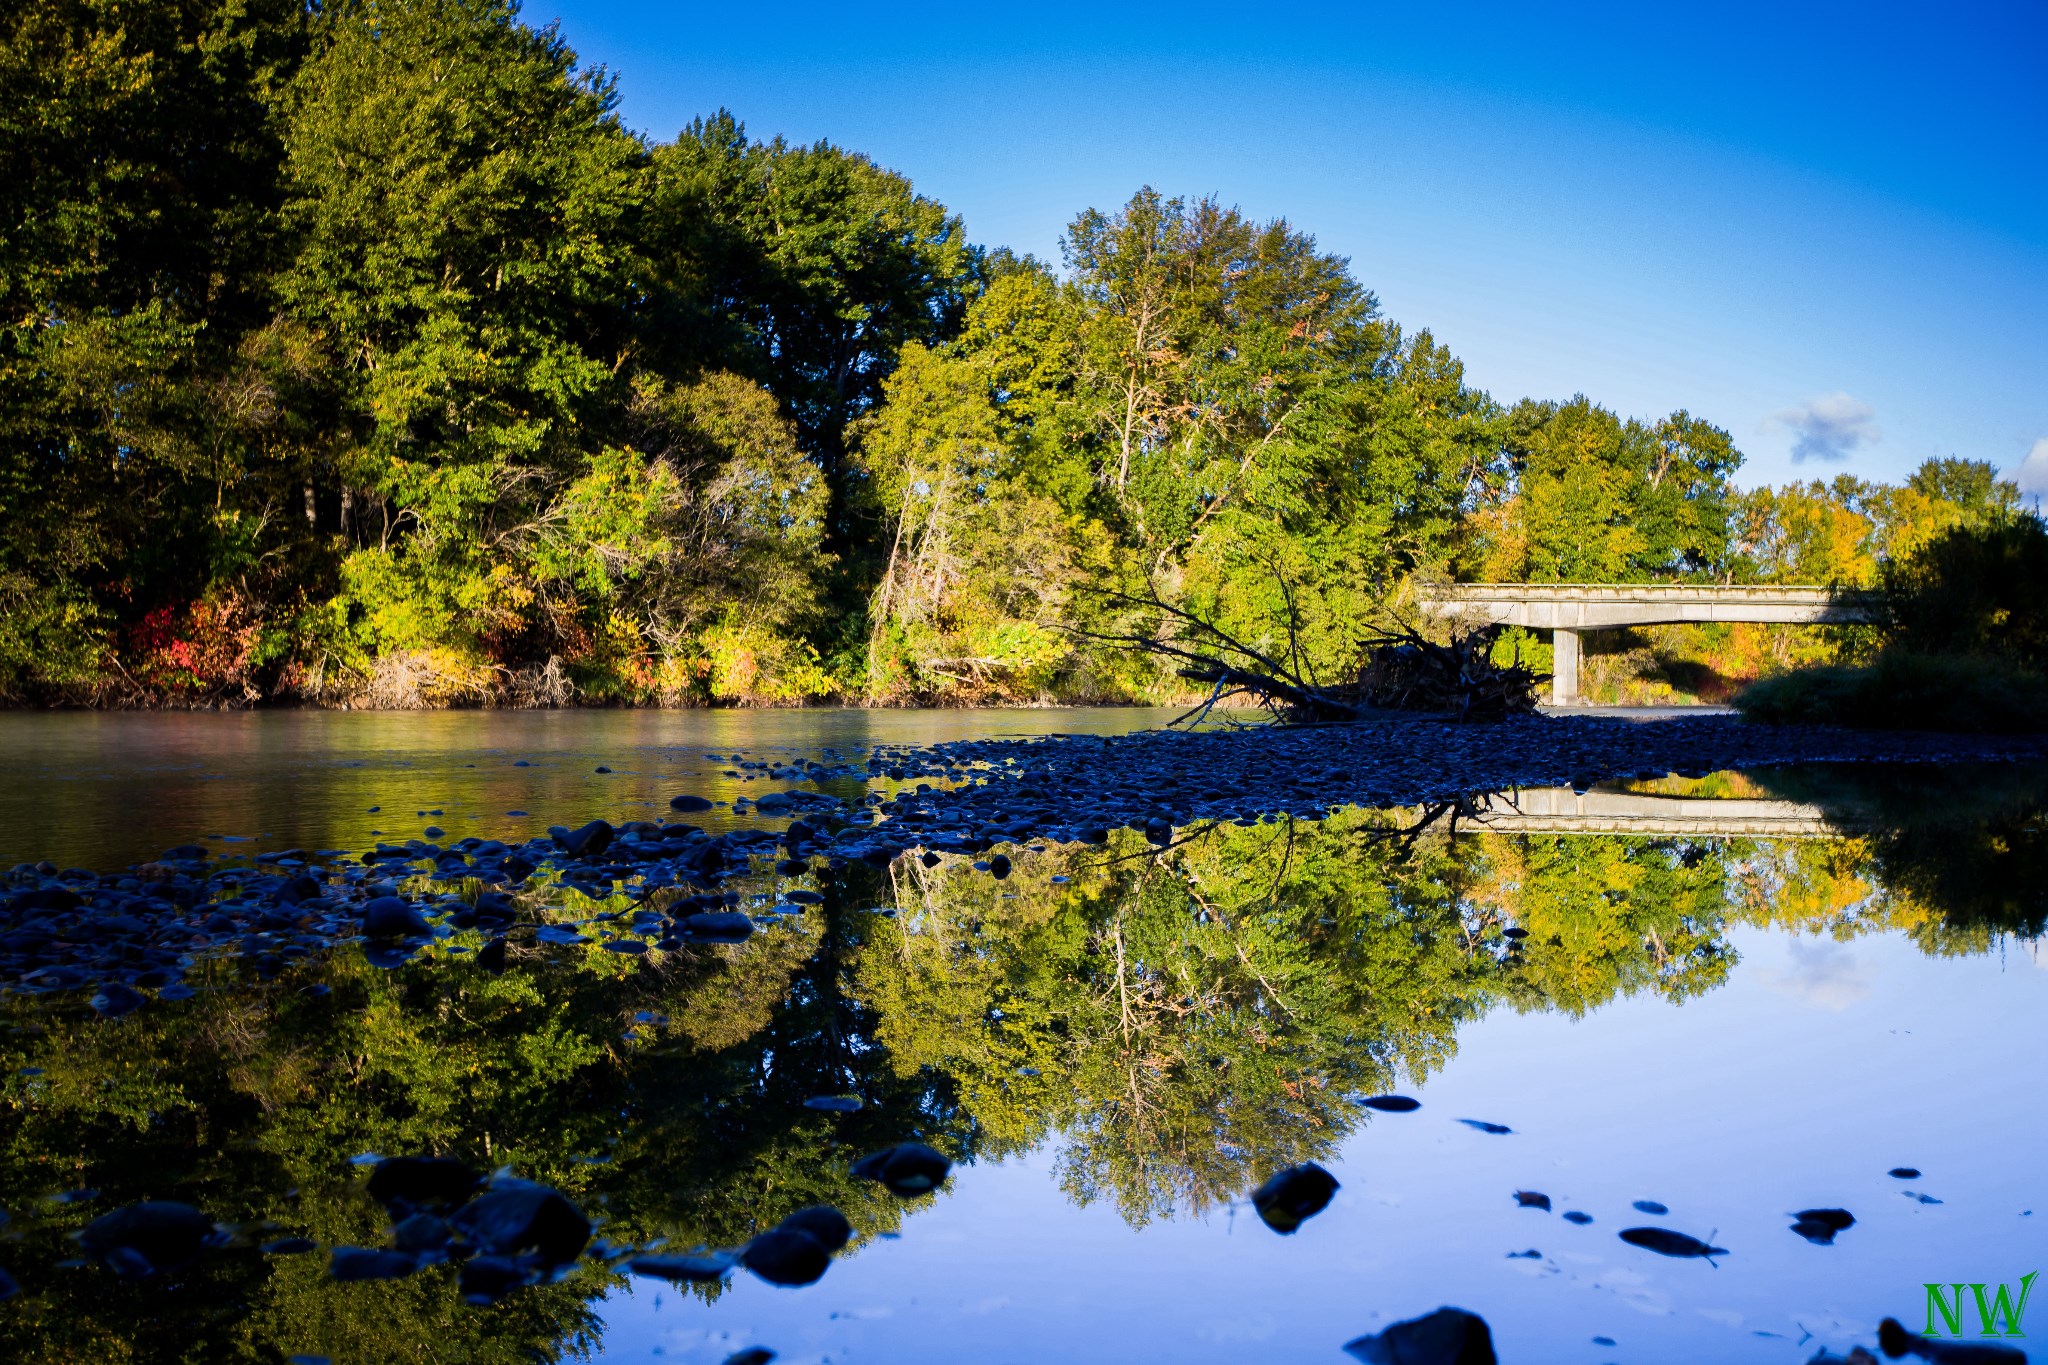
(1562,810)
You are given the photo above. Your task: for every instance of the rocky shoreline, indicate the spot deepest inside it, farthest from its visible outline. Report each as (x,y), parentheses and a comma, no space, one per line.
(129,935)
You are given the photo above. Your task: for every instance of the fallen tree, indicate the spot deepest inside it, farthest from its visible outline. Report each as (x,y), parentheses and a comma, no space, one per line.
(1399,669)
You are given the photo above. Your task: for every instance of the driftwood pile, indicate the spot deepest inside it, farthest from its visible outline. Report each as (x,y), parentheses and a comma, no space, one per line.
(1402,670)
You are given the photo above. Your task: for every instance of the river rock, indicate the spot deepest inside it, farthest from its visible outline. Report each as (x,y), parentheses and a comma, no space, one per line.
(1449,1336)
(1292,1196)
(907,1169)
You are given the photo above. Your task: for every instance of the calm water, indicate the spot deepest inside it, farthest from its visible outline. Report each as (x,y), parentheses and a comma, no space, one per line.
(1735,1026)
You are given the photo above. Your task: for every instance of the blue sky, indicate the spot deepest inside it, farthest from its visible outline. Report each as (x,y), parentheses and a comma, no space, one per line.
(1824,227)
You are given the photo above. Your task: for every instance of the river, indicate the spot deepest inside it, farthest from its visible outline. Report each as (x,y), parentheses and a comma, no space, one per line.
(1114,1045)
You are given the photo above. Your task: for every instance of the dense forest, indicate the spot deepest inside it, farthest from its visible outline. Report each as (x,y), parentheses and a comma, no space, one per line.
(353,352)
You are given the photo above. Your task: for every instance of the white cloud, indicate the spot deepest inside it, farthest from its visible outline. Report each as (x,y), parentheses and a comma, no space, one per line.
(2032,476)
(1830,427)
(1822,973)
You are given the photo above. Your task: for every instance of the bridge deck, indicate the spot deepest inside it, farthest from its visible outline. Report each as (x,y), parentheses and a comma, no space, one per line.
(1569,608)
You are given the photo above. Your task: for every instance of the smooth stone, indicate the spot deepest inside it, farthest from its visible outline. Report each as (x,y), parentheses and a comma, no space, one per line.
(724,926)
(413,1181)
(393,917)
(1291,1197)
(786,1256)
(486,1279)
(162,1233)
(1895,1341)
(1449,1336)
(823,1222)
(518,1219)
(1665,1242)
(351,1264)
(115,999)
(678,1269)
(491,957)
(907,1169)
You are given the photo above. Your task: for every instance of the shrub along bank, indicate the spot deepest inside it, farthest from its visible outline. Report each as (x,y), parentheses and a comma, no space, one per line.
(1963,643)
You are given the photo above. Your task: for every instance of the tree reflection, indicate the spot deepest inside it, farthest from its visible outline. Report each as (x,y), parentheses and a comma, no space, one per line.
(1176,1024)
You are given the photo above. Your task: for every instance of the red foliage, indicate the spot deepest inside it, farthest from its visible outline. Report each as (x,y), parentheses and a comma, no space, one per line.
(198,652)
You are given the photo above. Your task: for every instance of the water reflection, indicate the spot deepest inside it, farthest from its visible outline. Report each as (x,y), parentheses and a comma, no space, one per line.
(1166,1028)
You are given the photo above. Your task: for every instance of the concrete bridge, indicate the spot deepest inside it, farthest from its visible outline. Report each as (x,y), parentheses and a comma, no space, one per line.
(1566,609)
(1560,810)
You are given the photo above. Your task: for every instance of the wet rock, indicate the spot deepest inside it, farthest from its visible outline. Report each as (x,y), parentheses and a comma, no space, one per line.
(823,1222)
(393,917)
(907,1169)
(1919,1198)
(156,1235)
(1578,1216)
(115,999)
(1665,1242)
(1904,1173)
(687,802)
(514,1218)
(1292,1196)
(999,866)
(693,1266)
(1530,1199)
(350,1264)
(723,926)
(289,1246)
(414,1182)
(804,897)
(1449,1336)
(1392,1104)
(420,1234)
(587,842)
(491,957)
(751,1355)
(486,1279)
(1819,1226)
(1483,1126)
(1649,1206)
(786,1256)
(299,888)
(1895,1341)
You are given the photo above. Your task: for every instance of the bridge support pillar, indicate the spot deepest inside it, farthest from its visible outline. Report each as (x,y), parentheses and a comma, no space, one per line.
(1564,668)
